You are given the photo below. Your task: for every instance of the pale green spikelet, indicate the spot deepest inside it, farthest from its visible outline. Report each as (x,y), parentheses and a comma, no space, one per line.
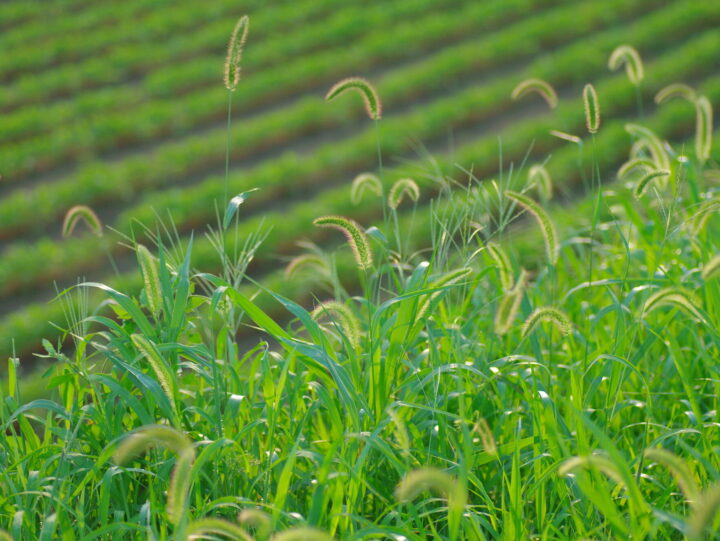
(675,90)
(306,260)
(151,279)
(678,297)
(703,128)
(509,305)
(679,470)
(302,534)
(538,86)
(502,261)
(711,268)
(539,177)
(546,224)
(399,189)
(592,108)
(635,163)
(373,105)
(255,518)
(569,137)
(642,184)
(362,182)
(417,481)
(81,212)
(482,429)
(179,488)
(151,436)
(343,316)
(356,237)
(550,314)
(628,55)
(203,528)
(161,369)
(598,462)
(231,75)
(704,513)
(4,536)
(657,149)
(698,221)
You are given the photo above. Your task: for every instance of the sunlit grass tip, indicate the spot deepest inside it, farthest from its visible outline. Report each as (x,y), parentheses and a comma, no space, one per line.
(675,296)
(654,144)
(547,226)
(341,314)
(399,189)
(675,90)
(538,86)
(569,137)
(641,185)
(231,75)
(703,128)
(81,212)
(362,182)
(592,108)
(151,279)
(356,237)
(628,55)
(371,99)
(547,314)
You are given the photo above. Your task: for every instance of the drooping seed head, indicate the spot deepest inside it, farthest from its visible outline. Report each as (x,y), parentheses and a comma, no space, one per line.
(642,185)
(675,90)
(704,513)
(302,533)
(151,436)
(703,128)
(306,260)
(628,55)
(598,462)
(399,189)
(180,480)
(712,268)
(356,237)
(449,278)
(341,315)
(592,108)
(362,182)
(678,297)
(550,314)
(162,371)
(539,177)
(417,481)
(643,164)
(699,219)
(547,226)
(231,76)
(151,279)
(370,97)
(509,305)
(538,86)
(502,262)
(679,470)
(204,528)
(652,142)
(81,212)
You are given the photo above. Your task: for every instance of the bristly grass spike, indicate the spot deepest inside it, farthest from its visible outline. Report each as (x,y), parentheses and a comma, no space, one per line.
(356,237)
(538,86)
(370,97)
(628,55)
(231,75)
(592,108)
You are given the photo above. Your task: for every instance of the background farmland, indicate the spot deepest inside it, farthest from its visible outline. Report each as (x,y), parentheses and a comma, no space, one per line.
(120,106)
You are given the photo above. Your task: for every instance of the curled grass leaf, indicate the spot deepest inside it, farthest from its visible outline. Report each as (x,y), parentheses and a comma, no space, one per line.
(371,99)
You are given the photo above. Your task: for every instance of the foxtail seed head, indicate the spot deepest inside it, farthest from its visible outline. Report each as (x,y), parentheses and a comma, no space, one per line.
(538,86)
(162,371)
(679,470)
(539,177)
(509,305)
(635,163)
(306,260)
(675,90)
(543,219)
(151,279)
(151,436)
(704,512)
(502,261)
(628,55)
(678,297)
(712,268)
(362,182)
(302,533)
(592,108)
(81,212)
(642,185)
(373,105)
(699,219)
(355,236)
(203,528)
(569,137)
(703,128)
(549,314)
(340,314)
(598,462)
(653,143)
(399,189)
(231,76)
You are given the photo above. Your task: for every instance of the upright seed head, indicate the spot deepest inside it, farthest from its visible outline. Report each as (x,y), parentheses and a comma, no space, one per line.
(538,86)
(592,108)
(234,53)
(362,182)
(399,189)
(373,105)
(151,279)
(356,237)
(543,219)
(81,212)
(628,55)
(703,128)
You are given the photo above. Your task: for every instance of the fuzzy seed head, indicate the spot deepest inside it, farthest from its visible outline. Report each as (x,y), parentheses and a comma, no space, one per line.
(362,182)
(569,137)
(547,226)
(81,212)
(509,305)
(652,142)
(151,279)
(538,86)
(151,436)
(341,315)
(203,528)
(712,268)
(306,260)
(642,185)
(675,90)
(539,177)
(502,262)
(231,76)
(628,55)
(675,296)
(371,99)
(549,314)
(399,189)
(356,237)
(159,366)
(592,108)
(703,128)
(643,164)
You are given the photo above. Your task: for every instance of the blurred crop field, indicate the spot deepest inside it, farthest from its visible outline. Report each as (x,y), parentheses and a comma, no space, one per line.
(120,106)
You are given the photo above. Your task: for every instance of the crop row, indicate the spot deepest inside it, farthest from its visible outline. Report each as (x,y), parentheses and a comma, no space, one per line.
(82,253)
(175,116)
(115,182)
(131,61)
(612,144)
